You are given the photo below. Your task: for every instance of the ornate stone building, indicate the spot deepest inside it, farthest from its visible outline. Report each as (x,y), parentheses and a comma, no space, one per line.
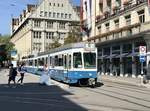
(40,25)
(118,27)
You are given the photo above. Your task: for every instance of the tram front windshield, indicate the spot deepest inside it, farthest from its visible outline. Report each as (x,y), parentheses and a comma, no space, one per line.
(89,60)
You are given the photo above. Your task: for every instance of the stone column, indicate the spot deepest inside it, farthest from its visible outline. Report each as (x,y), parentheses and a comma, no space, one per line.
(102,66)
(110,66)
(133,64)
(121,65)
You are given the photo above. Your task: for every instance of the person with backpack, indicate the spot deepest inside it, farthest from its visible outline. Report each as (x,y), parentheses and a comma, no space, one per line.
(21,70)
(12,75)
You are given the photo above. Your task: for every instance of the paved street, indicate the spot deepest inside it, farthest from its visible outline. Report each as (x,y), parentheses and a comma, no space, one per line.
(111,96)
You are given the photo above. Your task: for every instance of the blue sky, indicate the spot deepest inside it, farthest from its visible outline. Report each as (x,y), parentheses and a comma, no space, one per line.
(13,8)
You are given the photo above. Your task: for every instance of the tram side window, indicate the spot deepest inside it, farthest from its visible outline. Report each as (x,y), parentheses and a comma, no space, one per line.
(60,60)
(77,60)
(89,60)
(69,62)
(30,62)
(46,60)
(56,60)
(35,62)
(65,62)
(52,62)
(40,62)
(43,62)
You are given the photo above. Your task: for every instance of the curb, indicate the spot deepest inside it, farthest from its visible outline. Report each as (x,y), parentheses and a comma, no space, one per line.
(126,82)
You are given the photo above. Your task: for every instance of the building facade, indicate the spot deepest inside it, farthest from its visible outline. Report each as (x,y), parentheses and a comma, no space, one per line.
(118,27)
(40,25)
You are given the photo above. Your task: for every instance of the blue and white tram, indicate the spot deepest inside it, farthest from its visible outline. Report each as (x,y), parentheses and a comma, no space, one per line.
(72,63)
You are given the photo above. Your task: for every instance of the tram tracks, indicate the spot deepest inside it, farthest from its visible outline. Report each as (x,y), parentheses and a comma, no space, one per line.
(61,103)
(107,93)
(128,87)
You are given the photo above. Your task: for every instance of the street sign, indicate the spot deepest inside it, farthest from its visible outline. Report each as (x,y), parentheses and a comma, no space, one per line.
(142,50)
(142,58)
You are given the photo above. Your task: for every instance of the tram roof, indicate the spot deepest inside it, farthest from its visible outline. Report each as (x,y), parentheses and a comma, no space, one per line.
(64,47)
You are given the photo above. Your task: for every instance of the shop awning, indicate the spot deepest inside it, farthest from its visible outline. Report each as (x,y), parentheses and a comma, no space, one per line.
(121,55)
(132,54)
(106,56)
(114,55)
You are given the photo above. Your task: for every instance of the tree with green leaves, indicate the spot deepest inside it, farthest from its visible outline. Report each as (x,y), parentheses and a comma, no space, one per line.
(9,46)
(55,44)
(74,35)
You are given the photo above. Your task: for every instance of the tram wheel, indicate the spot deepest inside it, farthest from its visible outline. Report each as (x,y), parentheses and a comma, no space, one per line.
(83,82)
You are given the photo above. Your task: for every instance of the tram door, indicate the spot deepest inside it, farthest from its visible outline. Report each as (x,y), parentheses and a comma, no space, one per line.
(66,64)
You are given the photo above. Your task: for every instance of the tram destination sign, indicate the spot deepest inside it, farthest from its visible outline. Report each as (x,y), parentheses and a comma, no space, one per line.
(142,50)
(89,46)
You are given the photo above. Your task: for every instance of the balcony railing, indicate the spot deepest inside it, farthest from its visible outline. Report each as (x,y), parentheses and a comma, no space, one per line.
(125,28)
(118,10)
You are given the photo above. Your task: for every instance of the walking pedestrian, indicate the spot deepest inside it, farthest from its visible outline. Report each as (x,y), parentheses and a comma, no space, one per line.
(21,70)
(45,77)
(12,75)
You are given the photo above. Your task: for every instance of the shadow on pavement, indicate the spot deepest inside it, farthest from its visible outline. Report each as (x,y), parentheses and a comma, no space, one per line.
(34,97)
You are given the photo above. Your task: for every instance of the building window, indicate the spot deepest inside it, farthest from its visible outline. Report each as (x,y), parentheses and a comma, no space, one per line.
(58,4)
(129,32)
(99,29)
(54,14)
(41,13)
(45,14)
(50,14)
(58,14)
(62,5)
(65,15)
(54,4)
(37,35)
(61,36)
(116,35)
(62,15)
(49,24)
(106,51)
(117,23)
(37,46)
(49,35)
(69,15)
(107,27)
(127,48)
(141,16)
(128,19)
(61,25)
(116,49)
(50,4)
(37,23)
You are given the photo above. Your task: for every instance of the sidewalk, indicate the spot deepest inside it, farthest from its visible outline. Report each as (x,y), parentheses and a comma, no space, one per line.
(28,78)
(125,80)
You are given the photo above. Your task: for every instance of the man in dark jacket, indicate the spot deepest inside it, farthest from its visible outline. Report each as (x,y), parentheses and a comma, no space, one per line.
(12,74)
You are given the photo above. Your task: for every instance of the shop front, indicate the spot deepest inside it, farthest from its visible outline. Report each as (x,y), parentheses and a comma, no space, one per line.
(121,59)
